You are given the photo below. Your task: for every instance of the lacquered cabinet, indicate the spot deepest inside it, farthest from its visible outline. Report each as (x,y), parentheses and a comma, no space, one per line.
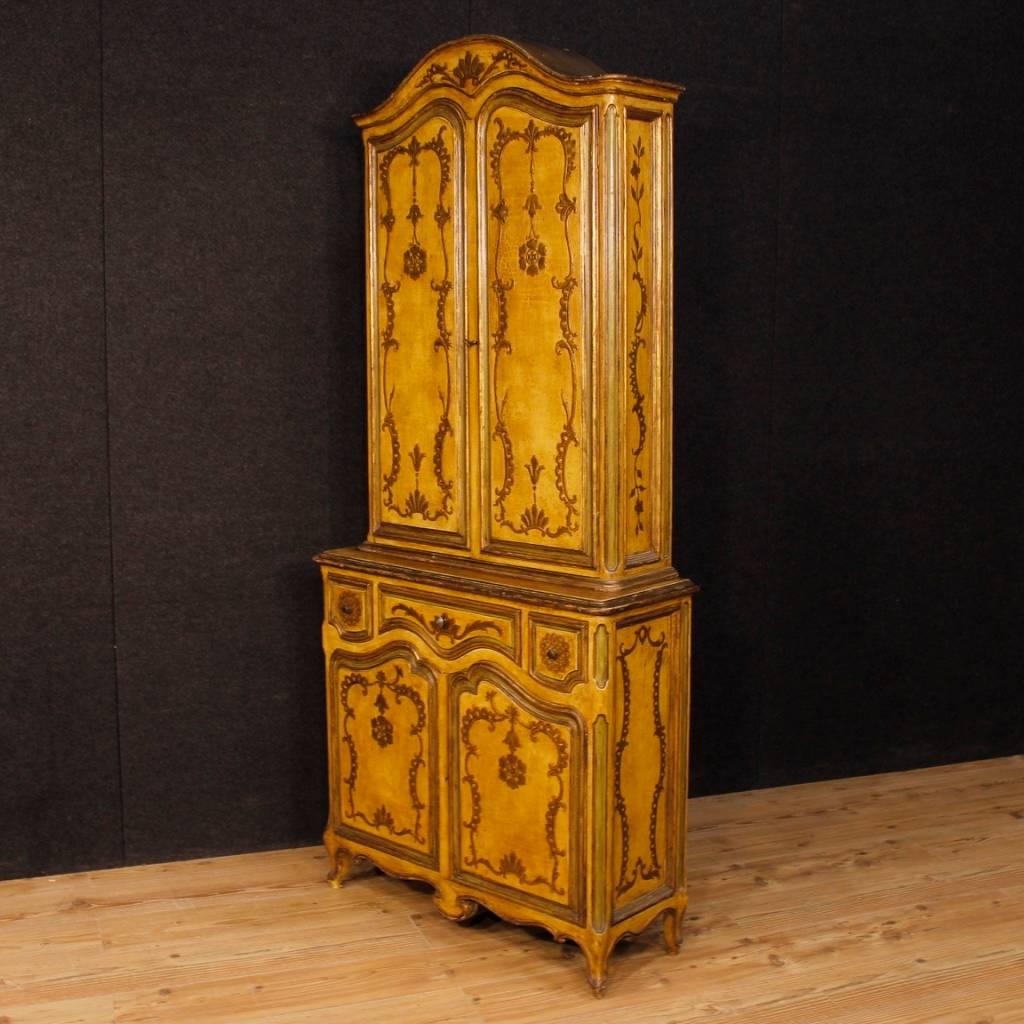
(508,653)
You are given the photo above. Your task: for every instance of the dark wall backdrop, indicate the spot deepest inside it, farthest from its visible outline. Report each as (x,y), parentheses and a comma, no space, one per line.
(181,350)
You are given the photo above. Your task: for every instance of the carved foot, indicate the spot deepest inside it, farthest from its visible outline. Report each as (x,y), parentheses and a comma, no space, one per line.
(341,861)
(597,966)
(671,925)
(455,907)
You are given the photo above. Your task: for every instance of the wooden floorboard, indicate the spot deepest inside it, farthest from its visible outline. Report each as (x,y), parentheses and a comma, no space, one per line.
(891,899)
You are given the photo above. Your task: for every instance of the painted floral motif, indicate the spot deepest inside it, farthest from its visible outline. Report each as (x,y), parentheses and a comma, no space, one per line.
(511,864)
(556,652)
(512,771)
(383,731)
(383,818)
(469,68)
(381,728)
(565,206)
(349,608)
(414,262)
(470,71)
(532,254)
(534,518)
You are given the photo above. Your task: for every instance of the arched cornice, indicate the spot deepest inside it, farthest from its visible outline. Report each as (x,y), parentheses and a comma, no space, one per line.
(471,65)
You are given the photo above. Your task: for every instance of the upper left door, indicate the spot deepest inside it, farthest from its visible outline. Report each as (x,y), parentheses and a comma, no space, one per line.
(416,308)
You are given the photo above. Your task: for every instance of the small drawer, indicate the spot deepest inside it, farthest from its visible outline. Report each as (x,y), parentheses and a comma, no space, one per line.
(347,606)
(450,626)
(558,651)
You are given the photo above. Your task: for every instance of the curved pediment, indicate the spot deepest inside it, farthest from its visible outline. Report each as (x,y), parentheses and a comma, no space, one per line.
(469,65)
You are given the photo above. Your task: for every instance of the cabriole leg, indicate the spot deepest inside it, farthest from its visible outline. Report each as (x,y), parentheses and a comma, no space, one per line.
(597,950)
(671,924)
(340,859)
(453,906)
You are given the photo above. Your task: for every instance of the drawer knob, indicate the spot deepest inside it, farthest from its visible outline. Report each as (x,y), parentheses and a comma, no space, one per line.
(442,622)
(556,652)
(349,608)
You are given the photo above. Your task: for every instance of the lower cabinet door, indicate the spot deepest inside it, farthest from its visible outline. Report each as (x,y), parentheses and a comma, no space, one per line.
(383,750)
(517,791)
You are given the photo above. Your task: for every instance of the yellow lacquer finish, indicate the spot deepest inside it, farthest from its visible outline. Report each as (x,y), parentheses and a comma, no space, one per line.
(508,654)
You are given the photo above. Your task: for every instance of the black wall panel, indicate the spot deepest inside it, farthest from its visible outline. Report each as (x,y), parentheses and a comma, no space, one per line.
(726,198)
(897,406)
(235,279)
(59,800)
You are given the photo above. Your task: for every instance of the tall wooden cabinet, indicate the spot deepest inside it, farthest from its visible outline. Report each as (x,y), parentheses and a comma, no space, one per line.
(508,653)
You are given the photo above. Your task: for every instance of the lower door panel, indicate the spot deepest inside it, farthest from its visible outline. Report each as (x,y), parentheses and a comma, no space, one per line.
(517,790)
(383,729)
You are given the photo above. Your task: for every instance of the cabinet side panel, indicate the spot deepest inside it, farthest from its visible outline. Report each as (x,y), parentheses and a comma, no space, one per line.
(641,472)
(646,741)
(417,319)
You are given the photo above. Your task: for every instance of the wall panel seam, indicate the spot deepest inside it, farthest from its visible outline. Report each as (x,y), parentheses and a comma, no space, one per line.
(771,665)
(106,404)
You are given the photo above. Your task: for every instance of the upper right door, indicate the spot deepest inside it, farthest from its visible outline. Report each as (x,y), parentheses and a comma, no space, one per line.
(536,175)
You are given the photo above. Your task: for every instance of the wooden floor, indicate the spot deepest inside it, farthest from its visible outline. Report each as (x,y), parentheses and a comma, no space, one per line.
(893,899)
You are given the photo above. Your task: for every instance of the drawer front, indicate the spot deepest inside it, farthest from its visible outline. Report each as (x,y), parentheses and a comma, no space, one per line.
(347,606)
(451,627)
(558,651)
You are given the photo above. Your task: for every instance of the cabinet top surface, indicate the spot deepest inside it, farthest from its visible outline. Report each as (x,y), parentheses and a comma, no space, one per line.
(470,64)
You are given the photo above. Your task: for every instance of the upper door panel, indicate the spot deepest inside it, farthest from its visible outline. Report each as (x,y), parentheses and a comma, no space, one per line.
(535,169)
(416,304)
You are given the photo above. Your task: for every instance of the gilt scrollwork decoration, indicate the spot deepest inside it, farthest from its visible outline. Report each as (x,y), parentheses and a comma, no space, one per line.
(382,731)
(512,771)
(642,867)
(415,263)
(444,626)
(532,260)
(470,71)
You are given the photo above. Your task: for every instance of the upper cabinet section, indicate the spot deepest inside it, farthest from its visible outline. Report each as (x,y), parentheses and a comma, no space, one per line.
(519,311)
